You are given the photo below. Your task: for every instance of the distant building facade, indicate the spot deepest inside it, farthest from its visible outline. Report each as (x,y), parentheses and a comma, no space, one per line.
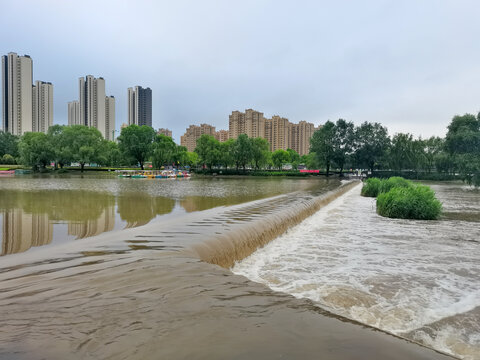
(193,133)
(110,117)
(278,131)
(300,135)
(250,122)
(74,113)
(26,107)
(17,107)
(95,109)
(165,132)
(140,106)
(222,135)
(42,105)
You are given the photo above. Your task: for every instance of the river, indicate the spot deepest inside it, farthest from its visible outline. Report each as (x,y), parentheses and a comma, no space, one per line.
(165,289)
(419,279)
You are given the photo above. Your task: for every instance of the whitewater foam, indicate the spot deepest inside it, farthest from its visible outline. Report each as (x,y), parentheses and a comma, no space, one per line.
(397,275)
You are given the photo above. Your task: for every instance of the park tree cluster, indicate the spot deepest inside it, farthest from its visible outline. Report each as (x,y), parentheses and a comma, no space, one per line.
(244,152)
(342,145)
(64,145)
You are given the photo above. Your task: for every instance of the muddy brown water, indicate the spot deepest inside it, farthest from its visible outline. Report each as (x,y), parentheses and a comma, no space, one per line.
(164,291)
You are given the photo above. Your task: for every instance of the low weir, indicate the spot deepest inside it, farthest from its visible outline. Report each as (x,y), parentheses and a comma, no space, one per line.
(164,290)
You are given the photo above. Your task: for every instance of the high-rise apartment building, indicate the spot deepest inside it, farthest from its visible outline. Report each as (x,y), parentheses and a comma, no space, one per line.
(109,118)
(193,133)
(300,135)
(42,105)
(251,123)
(74,113)
(277,133)
(222,135)
(140,106)
(166,132)
(94,107)
(17,78)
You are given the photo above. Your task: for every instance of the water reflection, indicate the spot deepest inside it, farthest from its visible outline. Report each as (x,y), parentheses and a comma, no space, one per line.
(21,231)
(61,209)
(139,209)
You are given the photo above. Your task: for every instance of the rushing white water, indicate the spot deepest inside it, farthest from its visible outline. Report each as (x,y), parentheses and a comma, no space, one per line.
(419,279)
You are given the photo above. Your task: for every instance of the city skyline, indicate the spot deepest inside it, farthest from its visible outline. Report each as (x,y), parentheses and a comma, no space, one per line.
(397,64)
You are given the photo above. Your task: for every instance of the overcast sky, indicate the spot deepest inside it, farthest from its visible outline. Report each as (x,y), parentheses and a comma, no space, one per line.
(410,65)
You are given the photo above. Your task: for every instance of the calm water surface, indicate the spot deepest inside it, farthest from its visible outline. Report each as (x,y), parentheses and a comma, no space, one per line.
(419,279)
(36,211)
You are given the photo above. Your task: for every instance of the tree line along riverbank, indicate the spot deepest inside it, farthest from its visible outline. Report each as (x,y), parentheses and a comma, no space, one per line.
(335,147)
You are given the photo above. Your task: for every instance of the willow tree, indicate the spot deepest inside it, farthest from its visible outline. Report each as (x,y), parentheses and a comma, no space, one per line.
(321,144)
(136,143)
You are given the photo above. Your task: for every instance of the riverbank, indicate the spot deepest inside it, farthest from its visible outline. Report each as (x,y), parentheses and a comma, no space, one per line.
(145,292)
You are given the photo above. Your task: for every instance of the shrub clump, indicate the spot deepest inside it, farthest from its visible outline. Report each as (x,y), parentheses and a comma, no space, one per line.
(393,182)
(412,202)
(371,187)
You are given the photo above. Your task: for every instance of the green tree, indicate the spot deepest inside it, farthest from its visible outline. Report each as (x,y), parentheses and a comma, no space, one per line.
(192,159)
(401,153)
(180,156)
(242,151)
(463,136)
(8,144)
(113,155)
(371,142)
(226,153)
(7,159)
(135,142)
(432,147)
(60,145)
(164,150)
(343,141)
(208,150)
(279,158)
(294,158)
(35,150)
(260,151)
(321,144)
(85,144)
(463,145)
(309,160)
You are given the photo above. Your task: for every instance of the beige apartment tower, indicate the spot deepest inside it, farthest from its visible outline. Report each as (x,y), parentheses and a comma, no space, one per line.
(300,135)
(222,135)
(278,133)
(251,123)
(193,133)
(166,132)
(42,105)
(17,107)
